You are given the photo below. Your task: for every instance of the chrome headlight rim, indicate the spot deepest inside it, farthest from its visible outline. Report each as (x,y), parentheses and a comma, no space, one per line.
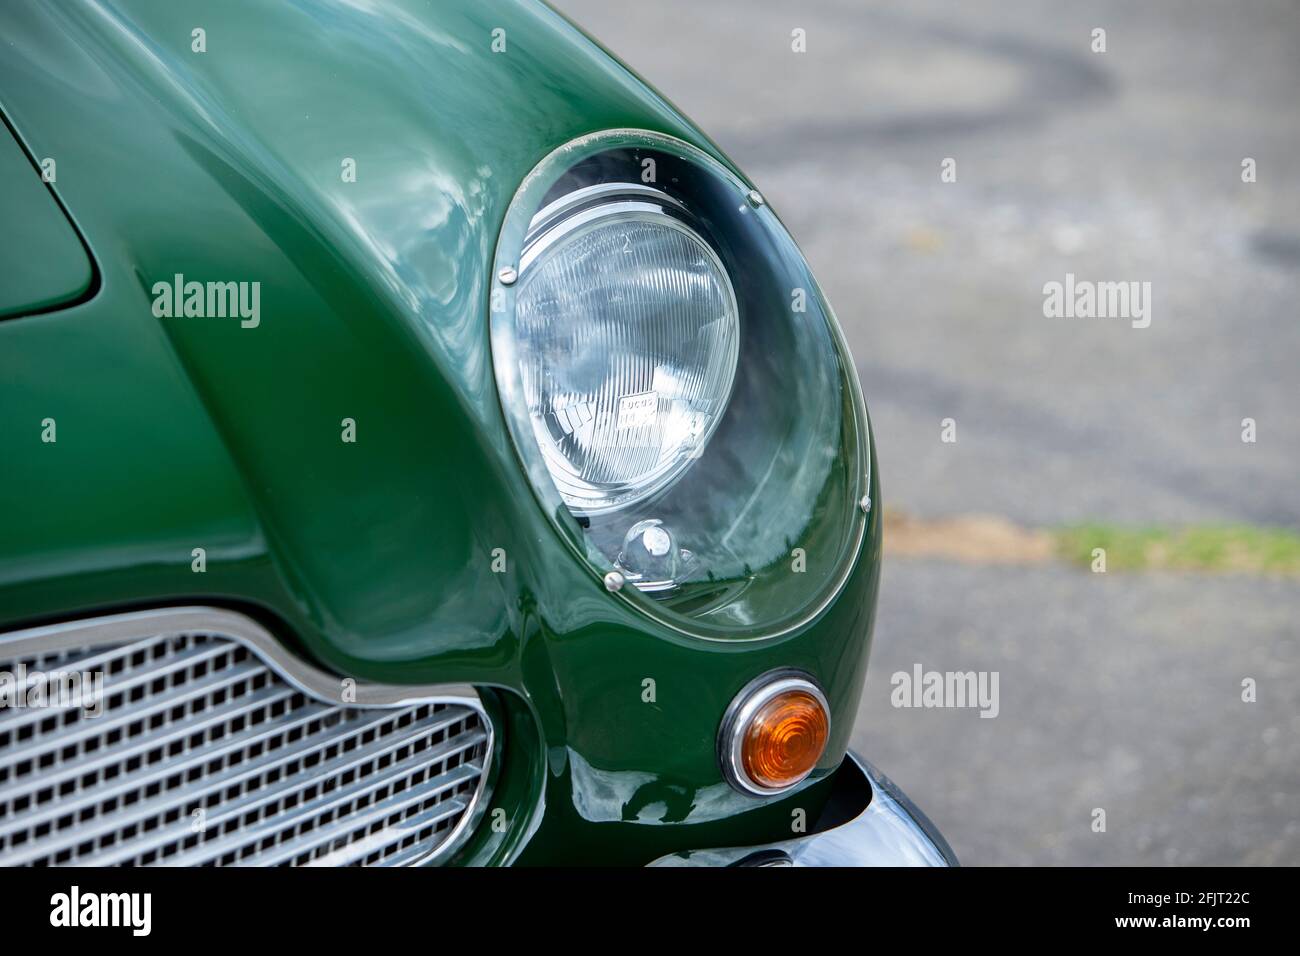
(525,217)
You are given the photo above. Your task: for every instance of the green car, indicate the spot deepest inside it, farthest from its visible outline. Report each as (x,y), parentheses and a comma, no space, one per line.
(420,445)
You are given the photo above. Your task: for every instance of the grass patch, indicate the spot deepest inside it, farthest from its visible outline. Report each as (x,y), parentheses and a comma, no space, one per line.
(1239,548)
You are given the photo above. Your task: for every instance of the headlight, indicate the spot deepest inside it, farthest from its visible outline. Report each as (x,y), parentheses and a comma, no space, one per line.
(628,334)
(676,386)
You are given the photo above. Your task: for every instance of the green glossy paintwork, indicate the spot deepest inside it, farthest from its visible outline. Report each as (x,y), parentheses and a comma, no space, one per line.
(42,262)
(373,558)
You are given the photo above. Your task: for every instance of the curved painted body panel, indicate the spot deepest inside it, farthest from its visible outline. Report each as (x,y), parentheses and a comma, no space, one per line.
(373,557)
(41,257)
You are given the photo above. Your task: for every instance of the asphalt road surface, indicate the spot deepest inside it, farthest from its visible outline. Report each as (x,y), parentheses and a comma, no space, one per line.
(1118,692)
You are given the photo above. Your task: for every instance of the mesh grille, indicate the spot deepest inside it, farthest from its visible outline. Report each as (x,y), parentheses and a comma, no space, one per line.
(204,755)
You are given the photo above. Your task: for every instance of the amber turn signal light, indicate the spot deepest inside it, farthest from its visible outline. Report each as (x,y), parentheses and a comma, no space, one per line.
(774,733)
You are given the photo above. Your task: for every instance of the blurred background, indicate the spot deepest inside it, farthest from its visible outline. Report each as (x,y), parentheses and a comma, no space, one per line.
(1120,690)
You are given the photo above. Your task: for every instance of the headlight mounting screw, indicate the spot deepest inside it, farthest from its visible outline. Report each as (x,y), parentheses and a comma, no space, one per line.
(865,504)
(508,275)
(754,198)
(613,581)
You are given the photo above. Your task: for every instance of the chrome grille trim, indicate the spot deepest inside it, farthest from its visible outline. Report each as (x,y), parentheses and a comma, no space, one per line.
(204,708)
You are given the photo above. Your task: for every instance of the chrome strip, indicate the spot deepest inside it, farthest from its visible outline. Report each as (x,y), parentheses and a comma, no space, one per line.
(136,625)
(599,193)
(321,685)
(888,831)
(559,228)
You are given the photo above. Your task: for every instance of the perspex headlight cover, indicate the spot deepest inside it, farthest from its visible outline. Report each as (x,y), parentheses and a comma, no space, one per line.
(677,387)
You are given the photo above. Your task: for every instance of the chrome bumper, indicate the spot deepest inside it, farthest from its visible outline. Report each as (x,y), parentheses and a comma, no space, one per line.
(883,828)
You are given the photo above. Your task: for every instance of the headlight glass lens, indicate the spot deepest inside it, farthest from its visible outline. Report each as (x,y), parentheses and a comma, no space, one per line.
(628,335)
(676,386)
